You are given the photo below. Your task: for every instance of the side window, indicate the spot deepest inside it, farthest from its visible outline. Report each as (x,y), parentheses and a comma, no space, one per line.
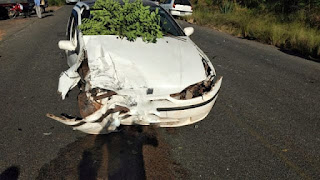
(167,2)
(85,13)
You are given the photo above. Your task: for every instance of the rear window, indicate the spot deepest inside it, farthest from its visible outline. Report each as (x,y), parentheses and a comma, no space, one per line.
(182,2)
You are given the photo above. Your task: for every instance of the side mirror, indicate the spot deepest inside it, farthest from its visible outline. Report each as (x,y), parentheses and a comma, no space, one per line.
(188,31)
(66,45)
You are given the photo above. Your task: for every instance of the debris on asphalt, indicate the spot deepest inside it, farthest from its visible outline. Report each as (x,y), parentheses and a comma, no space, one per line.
(134,152)
(47,134)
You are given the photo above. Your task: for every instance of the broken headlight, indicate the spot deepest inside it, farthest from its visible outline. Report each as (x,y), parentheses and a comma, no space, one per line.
(197,89)
(194,90)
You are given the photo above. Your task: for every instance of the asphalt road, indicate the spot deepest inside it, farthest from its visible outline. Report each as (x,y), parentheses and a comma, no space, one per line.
(265,124)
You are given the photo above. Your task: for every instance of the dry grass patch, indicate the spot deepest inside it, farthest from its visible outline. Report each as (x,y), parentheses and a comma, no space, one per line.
(264,27)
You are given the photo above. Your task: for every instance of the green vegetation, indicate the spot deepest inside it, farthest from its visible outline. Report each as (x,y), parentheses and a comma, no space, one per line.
(130,20)
(56,2)
(288,24)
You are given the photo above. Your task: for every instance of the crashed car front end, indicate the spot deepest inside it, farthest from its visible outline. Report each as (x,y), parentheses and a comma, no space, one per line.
(170,83)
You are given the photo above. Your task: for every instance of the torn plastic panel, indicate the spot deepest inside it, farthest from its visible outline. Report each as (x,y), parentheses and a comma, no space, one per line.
(115,110)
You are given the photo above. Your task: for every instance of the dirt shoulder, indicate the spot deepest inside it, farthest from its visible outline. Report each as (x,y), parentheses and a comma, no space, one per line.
(9,27)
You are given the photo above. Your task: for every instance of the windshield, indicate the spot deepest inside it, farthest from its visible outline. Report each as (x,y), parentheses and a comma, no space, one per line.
(168,26)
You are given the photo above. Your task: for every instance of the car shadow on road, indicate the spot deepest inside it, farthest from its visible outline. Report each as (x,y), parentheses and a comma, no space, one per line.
(11,173)
(295,53)
(112,156)
(47,15)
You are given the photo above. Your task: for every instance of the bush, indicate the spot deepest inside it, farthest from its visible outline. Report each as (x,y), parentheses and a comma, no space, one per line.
(130,20)
(226,7)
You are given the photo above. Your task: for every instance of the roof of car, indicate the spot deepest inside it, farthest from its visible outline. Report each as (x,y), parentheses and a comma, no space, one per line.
(90,3)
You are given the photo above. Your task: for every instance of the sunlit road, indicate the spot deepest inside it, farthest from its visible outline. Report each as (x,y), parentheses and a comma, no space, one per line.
(265,124)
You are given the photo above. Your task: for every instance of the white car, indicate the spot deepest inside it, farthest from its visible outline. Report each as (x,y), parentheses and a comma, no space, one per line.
(71,1)
(169,83)
(178,7)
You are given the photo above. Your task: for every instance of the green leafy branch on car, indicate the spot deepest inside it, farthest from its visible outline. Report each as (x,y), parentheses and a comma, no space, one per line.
(130,20)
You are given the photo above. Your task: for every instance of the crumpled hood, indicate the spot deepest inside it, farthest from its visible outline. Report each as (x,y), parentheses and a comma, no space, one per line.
(168,66)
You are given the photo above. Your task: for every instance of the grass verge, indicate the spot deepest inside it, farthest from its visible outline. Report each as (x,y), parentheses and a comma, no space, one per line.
(265,27)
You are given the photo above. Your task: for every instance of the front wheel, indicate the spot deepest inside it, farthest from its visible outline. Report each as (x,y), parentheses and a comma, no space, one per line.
(43,9)
(12,14)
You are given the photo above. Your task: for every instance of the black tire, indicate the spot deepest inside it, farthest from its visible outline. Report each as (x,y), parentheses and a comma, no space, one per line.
(43,9)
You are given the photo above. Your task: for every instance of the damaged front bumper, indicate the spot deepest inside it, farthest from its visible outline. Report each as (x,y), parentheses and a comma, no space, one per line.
(171,112)
(105,111)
